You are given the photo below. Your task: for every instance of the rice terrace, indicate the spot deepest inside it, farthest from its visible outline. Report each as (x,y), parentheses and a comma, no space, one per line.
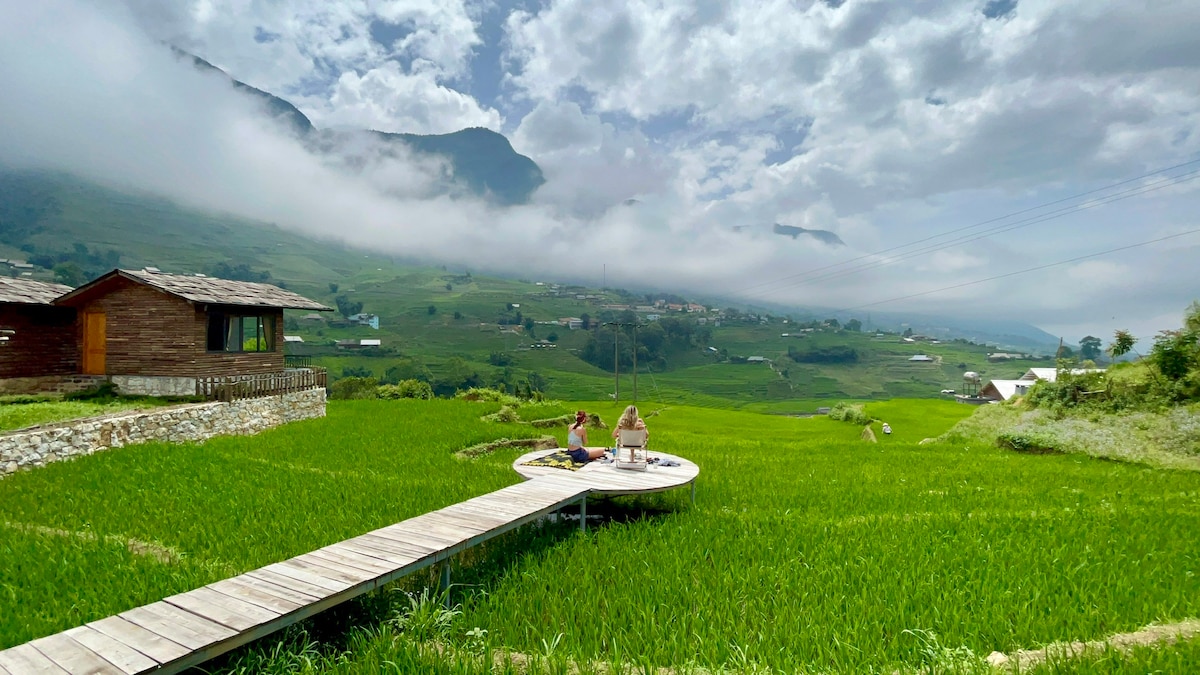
(808,550)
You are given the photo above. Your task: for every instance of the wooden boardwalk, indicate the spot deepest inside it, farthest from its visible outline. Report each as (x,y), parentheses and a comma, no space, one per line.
(184,630)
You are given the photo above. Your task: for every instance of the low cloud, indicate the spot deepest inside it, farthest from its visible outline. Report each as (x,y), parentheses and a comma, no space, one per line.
(882,122)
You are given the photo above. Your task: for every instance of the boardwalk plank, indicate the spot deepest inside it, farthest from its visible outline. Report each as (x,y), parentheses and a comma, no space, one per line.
(222,609)
(168,627)
(505,509)
(429,527)
(391,560)
(420,538)
(25,660)
(129,660)
(475,522)
(295,597)
(392,545)
(405,539)
(309,577)
(145,641)
(249,590)
(342,557)
(74,657)
(331,571)
(429,538)
(287,586)
(393,554)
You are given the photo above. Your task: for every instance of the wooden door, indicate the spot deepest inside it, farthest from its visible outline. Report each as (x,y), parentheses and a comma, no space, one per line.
(93,343)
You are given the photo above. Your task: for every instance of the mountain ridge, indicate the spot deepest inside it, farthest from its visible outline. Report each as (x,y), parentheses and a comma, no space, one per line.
(483,160)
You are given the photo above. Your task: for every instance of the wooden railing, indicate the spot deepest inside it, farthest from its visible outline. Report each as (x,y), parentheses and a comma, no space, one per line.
(236,387)
(297,361)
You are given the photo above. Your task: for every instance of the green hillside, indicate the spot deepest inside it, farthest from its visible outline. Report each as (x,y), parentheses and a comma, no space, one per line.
(442,324)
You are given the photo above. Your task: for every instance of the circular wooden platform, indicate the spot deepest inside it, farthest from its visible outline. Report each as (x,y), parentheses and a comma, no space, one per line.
(606,479)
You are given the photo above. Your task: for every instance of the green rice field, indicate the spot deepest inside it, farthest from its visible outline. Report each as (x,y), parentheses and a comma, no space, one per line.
(807,550)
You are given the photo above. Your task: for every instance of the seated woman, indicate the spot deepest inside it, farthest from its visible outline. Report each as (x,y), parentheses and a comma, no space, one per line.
(630,421)
(577,439)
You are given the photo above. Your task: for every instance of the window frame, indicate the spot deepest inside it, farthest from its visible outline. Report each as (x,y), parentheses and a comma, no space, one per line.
(265,326)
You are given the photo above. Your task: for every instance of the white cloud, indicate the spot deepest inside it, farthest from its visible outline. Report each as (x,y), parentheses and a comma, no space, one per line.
(386,99)
(885,122)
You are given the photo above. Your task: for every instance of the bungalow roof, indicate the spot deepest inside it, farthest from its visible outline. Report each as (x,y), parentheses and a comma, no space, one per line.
(206,290)
(30,292)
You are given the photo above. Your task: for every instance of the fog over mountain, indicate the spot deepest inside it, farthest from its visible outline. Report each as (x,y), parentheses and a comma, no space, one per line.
(878,123)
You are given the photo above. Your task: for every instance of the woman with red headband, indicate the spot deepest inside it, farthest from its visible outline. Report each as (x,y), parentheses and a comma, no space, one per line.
(577,440)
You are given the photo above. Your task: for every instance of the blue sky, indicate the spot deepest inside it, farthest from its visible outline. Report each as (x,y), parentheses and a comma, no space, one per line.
(881,121)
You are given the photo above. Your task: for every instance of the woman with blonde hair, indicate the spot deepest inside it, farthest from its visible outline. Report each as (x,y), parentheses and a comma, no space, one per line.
(630,421)
(577,439)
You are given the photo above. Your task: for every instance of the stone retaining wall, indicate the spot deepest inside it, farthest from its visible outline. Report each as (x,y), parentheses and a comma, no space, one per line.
(193,422)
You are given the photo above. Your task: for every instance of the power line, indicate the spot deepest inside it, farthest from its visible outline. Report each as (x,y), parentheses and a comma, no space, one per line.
(974,226)
(1025,271)
(1135,192)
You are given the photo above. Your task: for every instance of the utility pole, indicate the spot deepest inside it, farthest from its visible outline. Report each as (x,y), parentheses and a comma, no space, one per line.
(635,350)
(616,367)
(617,326)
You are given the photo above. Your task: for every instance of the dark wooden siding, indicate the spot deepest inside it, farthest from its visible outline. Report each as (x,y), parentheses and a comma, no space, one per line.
(45,341)
(152,333)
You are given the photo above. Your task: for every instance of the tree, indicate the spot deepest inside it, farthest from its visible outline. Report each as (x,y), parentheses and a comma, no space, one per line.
(552,337)
(457,315)
(832,323)
(528,323)
(333,288)
(70,274)
(908,332)
(432,310)
(345,307)
(1089,348)
(854,325)
(449,287)
(1123,342)
(586,321)
(1175,353)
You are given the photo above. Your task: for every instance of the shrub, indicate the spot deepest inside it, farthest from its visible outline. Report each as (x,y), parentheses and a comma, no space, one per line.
(102,391)
(850,412)
(488,395)
(354,388)
(506,414)
(405,389)
(1028,443)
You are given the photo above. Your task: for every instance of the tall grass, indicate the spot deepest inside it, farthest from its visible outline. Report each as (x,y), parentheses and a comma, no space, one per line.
(807,550)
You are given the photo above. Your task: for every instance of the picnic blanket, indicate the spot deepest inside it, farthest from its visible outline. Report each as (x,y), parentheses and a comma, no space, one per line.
(557,460)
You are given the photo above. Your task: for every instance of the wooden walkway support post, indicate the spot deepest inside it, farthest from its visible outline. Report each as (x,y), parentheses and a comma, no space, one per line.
(444,585)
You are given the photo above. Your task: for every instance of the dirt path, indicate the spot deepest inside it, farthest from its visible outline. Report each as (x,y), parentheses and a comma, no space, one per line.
(161,553)
(1154,635)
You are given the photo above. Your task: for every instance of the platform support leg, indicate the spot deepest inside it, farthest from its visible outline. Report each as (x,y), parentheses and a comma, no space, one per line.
(693,492)
(583,514)
(444,586)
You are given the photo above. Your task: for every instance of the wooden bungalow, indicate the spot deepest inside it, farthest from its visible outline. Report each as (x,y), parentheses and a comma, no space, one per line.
(157,333)
(37,339)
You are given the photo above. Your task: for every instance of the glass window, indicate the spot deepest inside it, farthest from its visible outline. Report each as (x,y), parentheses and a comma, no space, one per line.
(231,333)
